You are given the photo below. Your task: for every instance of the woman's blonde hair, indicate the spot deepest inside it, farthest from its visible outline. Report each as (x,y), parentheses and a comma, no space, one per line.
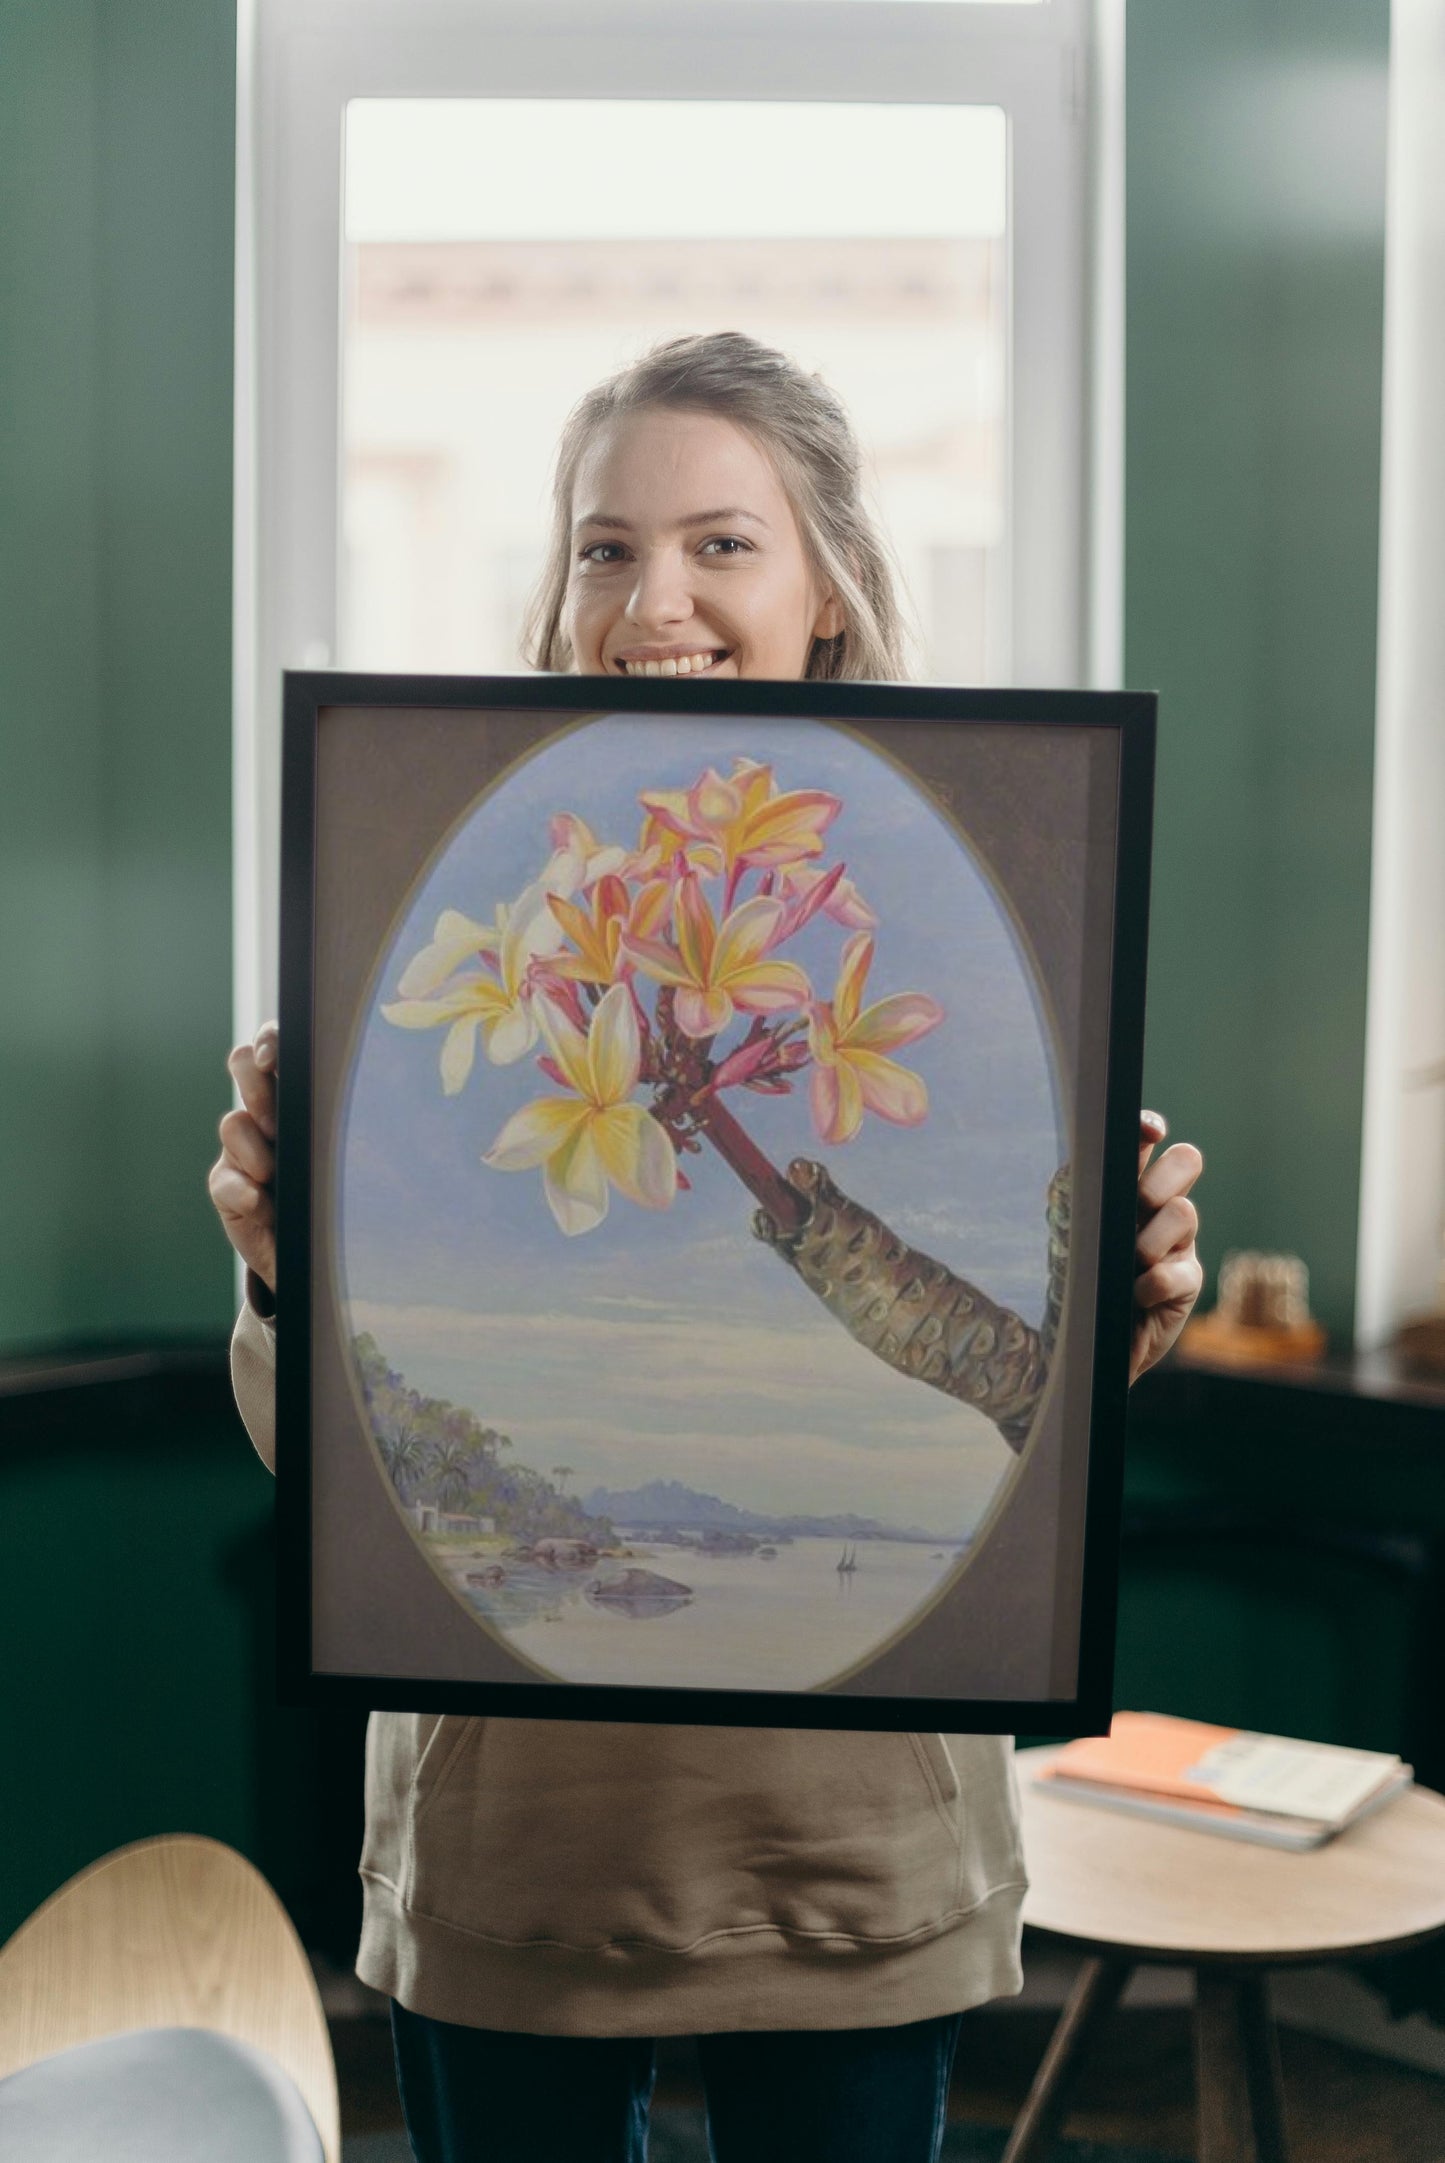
(803,427)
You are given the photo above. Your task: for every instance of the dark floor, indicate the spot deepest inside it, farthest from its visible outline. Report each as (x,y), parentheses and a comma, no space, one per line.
(1343,2105)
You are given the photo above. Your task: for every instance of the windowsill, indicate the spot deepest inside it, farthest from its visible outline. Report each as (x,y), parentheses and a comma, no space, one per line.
(1369,1393)
(96,1363)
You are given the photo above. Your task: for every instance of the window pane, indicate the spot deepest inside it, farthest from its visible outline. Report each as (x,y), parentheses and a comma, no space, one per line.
(503,256)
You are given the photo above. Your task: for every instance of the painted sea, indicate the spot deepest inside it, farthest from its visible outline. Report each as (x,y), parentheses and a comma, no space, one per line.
(784,1615)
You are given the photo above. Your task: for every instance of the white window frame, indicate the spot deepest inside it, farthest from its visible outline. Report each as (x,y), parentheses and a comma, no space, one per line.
(1049,67)
(1402,1167)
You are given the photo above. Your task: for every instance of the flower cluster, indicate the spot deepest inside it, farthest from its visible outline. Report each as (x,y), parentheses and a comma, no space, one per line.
(657,969)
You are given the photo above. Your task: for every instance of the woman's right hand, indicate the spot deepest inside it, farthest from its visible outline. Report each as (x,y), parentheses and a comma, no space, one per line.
(242,1178)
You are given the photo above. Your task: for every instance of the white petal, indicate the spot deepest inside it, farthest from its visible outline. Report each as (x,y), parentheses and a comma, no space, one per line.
(531,928)
(459,1049)
(535,1133)
(614,1048)
(456,939)
(511,1037)
(430,1013)
(577,1185)
(636,1155)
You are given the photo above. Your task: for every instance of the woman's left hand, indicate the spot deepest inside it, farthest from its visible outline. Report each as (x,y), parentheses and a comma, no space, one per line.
(1168,1276)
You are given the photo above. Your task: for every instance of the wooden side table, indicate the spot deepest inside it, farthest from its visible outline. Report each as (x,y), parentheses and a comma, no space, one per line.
(1125,1891)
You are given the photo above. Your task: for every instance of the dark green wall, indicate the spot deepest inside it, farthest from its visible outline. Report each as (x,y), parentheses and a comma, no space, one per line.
(116,158)
(139,1567)
(1302,1591)
(134,1567)
(1255,263)
(1255,266)
(1255,254)
(137,1605)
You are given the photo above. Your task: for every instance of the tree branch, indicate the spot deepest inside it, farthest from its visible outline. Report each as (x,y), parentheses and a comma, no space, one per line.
(788,1209)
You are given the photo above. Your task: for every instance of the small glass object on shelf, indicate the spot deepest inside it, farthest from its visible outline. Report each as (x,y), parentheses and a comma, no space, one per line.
(1262,1317)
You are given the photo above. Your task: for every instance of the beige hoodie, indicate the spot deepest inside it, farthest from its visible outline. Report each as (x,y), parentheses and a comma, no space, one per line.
(567,1878)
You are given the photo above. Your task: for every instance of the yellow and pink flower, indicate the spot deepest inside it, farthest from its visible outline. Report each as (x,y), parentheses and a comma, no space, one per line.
(807,889)
(737,824)
(578,857)
(496,1000)
(594,1138)
(850,1042)
(597,930)
(718,970)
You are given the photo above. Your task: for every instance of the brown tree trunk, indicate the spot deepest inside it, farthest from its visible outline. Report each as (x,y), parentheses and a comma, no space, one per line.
(914,1313)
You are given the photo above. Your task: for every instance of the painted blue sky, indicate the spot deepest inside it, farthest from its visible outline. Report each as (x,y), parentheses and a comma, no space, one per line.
(676,1346)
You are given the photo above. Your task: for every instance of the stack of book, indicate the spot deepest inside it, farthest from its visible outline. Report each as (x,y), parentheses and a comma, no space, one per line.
(1269,1788)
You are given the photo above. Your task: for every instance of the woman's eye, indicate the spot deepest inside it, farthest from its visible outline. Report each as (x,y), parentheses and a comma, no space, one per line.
(602,552)
(726,544)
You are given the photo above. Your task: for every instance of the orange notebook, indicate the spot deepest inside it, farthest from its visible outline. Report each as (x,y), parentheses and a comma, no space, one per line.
(1155,1754)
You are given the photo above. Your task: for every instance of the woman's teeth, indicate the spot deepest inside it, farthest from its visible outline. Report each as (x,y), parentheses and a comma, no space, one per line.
(686,664)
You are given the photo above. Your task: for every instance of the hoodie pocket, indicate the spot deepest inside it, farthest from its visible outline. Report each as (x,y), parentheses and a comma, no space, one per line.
(588,1835)
(452,1737)
(404,1753)
(940,1774)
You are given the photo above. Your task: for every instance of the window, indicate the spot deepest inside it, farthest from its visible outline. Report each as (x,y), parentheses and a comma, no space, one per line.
(447,212)
(503,255)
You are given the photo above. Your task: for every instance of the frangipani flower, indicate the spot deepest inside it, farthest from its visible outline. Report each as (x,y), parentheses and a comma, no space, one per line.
(455,940)
(497,1000)
(806,890)
(597,932)
(849,1043)
(578,857)
(738,824)
(594,1137)
(717,971)
(632,978)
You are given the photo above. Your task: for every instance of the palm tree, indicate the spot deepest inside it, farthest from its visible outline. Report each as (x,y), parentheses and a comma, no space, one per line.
(450,1469)
(403,1456)
(561,1474)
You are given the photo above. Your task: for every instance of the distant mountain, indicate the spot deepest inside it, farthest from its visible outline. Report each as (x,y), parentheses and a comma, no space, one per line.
(670,1506)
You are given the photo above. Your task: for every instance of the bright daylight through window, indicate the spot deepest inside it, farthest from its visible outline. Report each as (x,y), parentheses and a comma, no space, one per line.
(504,255)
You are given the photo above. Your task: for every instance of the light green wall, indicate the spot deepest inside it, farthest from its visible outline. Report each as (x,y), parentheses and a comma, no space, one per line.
(116,158)
(1256,136)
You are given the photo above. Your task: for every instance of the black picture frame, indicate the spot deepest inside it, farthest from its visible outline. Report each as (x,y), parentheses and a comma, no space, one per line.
(317,701)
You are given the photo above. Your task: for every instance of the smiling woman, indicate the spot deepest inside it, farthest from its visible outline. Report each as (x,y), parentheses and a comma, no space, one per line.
(674,591)
(582,1887)
(646,577)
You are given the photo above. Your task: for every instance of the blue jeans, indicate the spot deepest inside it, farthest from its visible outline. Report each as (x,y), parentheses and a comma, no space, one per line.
(851,2095)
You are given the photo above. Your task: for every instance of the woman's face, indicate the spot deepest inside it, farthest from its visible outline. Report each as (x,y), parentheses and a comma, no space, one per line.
(686,557)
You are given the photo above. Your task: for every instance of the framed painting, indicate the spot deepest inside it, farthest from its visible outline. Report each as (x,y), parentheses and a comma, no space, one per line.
(706,1195)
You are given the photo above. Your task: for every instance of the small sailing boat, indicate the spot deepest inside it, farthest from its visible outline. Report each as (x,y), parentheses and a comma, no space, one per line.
(847,1561)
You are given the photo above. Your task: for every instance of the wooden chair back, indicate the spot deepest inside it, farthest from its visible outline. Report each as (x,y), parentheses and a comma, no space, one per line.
(176,1932)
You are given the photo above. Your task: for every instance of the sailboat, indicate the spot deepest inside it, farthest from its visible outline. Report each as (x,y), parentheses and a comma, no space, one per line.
(847,1561)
